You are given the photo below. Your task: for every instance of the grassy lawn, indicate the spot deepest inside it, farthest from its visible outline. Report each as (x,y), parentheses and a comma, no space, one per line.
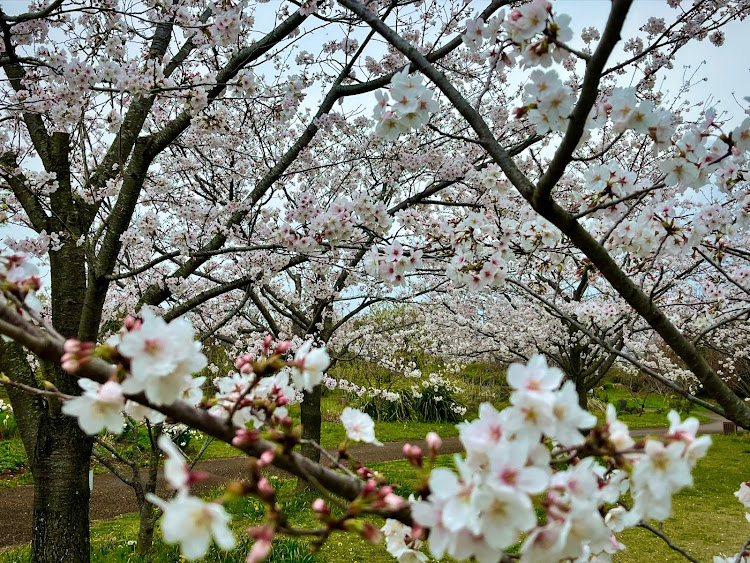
(708,520)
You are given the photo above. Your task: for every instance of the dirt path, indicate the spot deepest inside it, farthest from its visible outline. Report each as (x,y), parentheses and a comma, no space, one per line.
(111,498)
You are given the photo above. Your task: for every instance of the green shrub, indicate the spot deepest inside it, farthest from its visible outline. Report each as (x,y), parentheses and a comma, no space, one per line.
(400,410)
(439,403)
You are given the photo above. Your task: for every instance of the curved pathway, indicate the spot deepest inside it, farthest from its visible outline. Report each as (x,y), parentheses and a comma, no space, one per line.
(110,497)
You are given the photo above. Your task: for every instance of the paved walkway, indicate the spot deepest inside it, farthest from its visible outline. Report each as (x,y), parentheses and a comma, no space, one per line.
(110,497)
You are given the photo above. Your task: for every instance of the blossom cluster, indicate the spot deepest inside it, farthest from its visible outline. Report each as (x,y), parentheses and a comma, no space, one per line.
(392,264)
(20,276)
(159,360)
(518,35)
(487,505)
(410,105)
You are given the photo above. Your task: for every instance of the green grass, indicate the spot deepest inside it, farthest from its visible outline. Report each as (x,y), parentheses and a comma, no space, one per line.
(12,455)
(648,419)
(332,434)
(613,393)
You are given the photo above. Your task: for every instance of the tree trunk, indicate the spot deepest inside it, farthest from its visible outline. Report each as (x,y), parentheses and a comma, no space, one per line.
(311,422)
(148,518)
(61,459)
(583,393)
(61,492)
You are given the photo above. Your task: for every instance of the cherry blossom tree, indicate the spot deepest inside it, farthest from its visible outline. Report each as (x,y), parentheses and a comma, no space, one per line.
(139,149)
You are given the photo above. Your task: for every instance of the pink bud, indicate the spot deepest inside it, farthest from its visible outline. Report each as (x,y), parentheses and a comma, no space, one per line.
(243,436)
(264,487)
(267,341)
(195,476)
(281,401)
(130,323)
(371,533)
(393,501)
(319,506)
(262,546)
(364,472)
(263,533)
(413,454)
(72,345)
(246,369)
(259,552)
(369,487)
(266,457)
(283,347)
(434,442)
(69,365)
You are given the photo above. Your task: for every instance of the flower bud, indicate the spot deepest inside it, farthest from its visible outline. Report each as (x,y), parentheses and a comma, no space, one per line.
(320,507)
(283,347)
(281,401)
(369,487)
(413,454)
(434,442)
(393,501)
(130,323)
(267,341)
(243,436)
(264,488)
(262,547)
(371,533)
(266,457)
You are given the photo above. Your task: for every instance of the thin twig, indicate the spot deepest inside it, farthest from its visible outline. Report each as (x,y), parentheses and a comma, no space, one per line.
(669,542)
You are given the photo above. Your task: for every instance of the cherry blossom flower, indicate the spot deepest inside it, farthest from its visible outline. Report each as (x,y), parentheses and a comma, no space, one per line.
(399,544)
(359,426)
(162,358)
(99,407)
(743,494)
(140,412)
(663,471)
(309,366)
(192,523)
(176,471)
(534,377)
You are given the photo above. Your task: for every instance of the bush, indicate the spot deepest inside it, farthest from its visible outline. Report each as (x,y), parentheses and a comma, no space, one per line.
(439,403)
(436,401)
(399,410)
(679,404)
